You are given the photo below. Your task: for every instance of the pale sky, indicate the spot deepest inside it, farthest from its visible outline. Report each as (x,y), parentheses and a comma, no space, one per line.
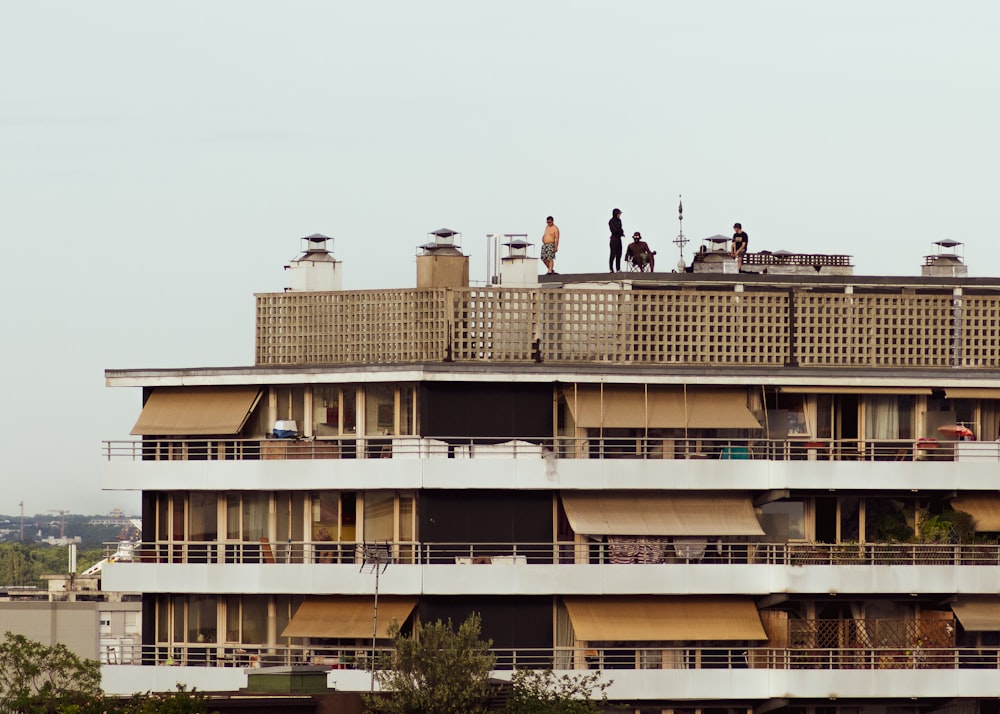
(160,161)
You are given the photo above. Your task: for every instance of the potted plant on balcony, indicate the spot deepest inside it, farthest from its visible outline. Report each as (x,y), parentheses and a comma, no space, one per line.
(946,529)
(847,552)
(892,536)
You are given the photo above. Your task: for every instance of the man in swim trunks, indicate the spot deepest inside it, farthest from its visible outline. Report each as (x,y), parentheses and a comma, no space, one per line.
(550,243)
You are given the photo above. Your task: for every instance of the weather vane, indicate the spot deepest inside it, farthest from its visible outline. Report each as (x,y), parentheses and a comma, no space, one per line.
(680,241)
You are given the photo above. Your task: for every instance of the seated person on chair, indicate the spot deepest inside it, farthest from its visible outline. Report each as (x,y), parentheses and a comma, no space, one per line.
(639,254)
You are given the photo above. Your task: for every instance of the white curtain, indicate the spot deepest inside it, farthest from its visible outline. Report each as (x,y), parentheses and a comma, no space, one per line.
(255,508)
(882,417)
(809,411)
(565,638)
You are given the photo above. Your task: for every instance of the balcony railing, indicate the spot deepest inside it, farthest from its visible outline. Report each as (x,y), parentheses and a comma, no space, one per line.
(622,550)
(547,447)
(631,658)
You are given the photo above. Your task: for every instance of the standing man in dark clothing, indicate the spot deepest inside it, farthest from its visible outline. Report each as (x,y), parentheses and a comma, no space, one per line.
(617,233)
(740,240)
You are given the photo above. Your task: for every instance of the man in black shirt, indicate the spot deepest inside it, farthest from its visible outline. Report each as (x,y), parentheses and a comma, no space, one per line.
(617,233)
(740,240)
(639,254)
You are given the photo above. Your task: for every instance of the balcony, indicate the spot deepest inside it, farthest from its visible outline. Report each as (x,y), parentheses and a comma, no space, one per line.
(638,657)
(636,673)
(622,551)
(549,447)
(549,463)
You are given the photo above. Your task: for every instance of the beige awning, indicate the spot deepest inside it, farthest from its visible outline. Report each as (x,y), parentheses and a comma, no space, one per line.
(660,514)
(196,410)
(856,390)
(654,619)
(971,393)
(622,407)
(983,507)
(978,614)
(347,617)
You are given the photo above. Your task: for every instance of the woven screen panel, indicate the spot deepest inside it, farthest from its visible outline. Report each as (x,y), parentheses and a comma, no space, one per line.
(846,330)
(662,327)
(980,333)
(364,327)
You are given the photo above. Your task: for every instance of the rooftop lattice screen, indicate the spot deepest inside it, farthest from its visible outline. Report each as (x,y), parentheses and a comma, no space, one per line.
(669,327)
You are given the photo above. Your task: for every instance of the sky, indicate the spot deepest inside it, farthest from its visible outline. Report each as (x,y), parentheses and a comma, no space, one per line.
(159,163)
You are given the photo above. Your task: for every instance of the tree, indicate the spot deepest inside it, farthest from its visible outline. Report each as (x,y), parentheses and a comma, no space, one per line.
(435,671)
(542,692)
(36,678)
(180,701)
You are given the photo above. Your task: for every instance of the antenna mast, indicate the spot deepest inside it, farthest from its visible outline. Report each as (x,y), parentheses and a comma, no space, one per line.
(680,241)
(376,557)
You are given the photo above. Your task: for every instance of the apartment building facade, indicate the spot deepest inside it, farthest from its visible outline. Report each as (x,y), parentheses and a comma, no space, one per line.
(728,491)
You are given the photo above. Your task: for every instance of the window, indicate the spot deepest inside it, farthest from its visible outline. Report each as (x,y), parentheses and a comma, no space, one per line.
(334,410)
(201,619)
(889,417)
(380,409)
(246,619)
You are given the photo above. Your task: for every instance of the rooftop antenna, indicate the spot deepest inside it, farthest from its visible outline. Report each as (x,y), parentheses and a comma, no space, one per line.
(375,557)
(680,241)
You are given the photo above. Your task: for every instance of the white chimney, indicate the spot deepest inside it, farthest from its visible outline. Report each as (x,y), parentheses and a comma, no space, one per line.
(946,261)
(316,269)
(517,268)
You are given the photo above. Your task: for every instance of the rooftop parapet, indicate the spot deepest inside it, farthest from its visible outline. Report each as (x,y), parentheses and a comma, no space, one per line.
(673,323)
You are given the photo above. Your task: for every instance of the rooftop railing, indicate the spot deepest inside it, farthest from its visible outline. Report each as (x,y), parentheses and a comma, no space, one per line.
(676,325)
(617,550)
(561,447)
(639,657)
(804,259)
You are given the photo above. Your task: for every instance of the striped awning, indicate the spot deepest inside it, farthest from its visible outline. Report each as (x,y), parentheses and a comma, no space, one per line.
(347,617)
(660,618)
(978,613)
(639,407)
(926,391)
(983,507)
(179,411)
(972,393)
(660,514)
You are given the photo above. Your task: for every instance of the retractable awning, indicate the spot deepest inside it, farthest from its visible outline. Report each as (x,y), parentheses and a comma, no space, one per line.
(347,617)
(978,614)
(621,407)
(649,619)
(855,390)
(983,507)
(660,514)
(972,393)
(196,411)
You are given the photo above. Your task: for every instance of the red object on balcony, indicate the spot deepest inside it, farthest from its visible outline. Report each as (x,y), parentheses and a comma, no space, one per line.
(956,431)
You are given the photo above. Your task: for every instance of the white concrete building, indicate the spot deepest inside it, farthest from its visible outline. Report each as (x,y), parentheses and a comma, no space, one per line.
(729,491)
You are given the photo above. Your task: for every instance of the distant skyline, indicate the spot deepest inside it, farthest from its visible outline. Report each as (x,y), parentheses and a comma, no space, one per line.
(161,162)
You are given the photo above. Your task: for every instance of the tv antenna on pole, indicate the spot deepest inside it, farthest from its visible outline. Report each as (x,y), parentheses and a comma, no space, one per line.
(681,240)
(375,557)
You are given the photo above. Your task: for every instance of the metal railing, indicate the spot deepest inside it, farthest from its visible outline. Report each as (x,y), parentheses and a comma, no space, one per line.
(721,656)
(619,550)
(559,447)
